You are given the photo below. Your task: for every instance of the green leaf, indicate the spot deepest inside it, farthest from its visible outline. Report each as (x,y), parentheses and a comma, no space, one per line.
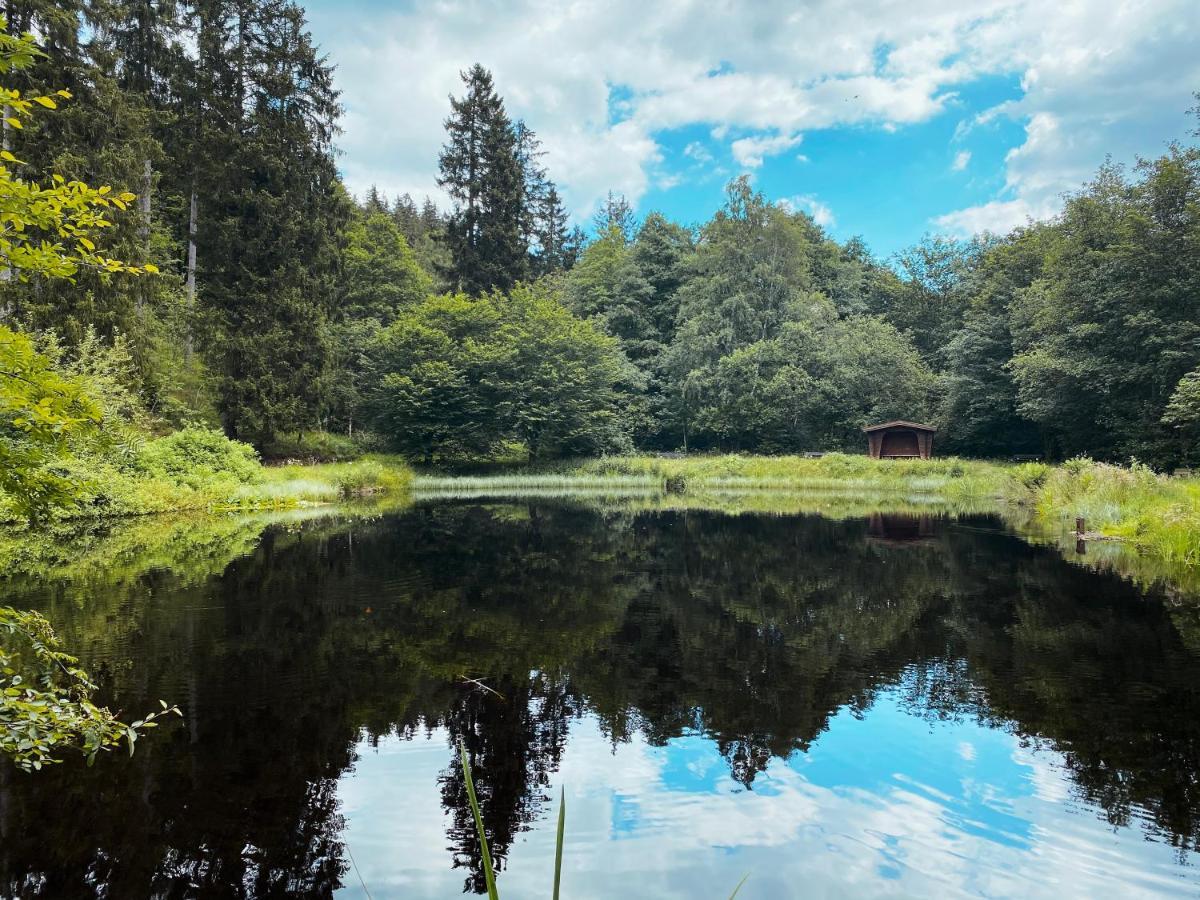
(488,874)
(558,844)
(739,886)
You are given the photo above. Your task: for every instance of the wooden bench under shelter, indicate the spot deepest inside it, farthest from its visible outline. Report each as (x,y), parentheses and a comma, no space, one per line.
(900,440)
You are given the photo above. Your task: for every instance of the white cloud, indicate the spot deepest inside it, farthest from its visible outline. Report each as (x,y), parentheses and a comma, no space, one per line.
(1097,76)
(751,151)
(820,212)
(995,216)
(697,151)
(961,160)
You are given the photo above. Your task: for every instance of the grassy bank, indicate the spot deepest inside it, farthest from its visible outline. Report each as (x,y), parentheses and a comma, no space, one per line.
(108,490)
(1158,514)
(946,479)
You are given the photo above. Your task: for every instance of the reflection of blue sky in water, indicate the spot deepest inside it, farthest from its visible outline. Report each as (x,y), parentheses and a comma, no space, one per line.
(883,805)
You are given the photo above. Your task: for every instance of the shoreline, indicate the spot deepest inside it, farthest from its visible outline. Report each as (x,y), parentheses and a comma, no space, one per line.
(1155,515)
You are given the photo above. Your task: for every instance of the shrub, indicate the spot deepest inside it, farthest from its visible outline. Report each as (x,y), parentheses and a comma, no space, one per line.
(197,456)
(369,477)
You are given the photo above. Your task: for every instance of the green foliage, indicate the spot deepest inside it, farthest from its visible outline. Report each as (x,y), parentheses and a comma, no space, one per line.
(632,287)
(1105,332)
(749,276)
(380,271)
(814,386)
(46,699)
(40,410)
(461,376)
(1183,413)
(49,231)
(380,278)
(196,455)
(369,476)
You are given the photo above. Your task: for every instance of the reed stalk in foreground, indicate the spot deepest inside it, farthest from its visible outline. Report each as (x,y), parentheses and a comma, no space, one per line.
(489,873)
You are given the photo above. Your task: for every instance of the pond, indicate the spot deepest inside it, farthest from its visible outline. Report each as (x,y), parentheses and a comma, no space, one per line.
(888,705)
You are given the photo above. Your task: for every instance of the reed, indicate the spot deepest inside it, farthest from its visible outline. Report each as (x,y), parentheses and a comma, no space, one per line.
(489,871)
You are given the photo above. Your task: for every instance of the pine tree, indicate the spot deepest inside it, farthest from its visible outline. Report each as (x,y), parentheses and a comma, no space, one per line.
(553,238)
(111,57)
(407,218)
(431,218)
(536,186)
(615,211)
(375,202)
(266,239)
(482,172)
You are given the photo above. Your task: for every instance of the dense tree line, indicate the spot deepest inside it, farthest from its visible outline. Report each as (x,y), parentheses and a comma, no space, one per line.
(1076,335)
(756,331)
(282,299)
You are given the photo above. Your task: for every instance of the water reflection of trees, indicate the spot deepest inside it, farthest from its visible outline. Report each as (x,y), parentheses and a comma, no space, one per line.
(752,629)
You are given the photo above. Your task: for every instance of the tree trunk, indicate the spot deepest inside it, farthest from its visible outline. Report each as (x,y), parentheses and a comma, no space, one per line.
(144,199)
(144,227)
(6,273)
(190,281)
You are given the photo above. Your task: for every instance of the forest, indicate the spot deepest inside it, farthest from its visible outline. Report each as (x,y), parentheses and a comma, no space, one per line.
(277,308)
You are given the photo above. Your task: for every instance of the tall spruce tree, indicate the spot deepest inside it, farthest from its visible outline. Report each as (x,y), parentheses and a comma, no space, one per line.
(266,239)
(555,252)
(481,170)
(615,212)
(534,180)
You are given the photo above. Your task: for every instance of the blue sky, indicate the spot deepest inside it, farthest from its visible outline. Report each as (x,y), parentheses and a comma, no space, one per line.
(881,118)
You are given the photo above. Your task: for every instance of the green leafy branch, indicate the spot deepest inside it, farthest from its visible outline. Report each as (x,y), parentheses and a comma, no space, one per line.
(46,699)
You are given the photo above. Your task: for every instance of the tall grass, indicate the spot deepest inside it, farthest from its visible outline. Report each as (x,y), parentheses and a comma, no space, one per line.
(1160,514)
(328,482)
(108,491)
(489,871)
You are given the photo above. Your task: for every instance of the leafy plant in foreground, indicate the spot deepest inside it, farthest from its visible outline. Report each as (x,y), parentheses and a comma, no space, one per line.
(46,699)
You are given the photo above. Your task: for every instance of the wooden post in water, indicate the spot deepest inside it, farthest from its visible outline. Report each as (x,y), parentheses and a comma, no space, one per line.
(1080,530)
(1080,525)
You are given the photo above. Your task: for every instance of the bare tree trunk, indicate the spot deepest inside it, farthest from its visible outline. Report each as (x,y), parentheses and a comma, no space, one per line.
(190,281)
(144,228)
(6,273)
(144,199)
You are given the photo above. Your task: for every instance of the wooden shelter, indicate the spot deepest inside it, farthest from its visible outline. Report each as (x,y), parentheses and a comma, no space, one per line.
(900,440)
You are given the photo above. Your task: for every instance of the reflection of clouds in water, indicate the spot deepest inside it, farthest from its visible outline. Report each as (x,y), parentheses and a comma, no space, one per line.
(397,826)
(1049,783)
(634,829)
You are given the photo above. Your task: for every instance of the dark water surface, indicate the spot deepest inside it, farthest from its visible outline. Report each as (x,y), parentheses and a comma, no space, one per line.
(892,706)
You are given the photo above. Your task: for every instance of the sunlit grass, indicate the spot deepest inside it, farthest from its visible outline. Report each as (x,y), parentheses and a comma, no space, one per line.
(327,482)
(1157,514)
